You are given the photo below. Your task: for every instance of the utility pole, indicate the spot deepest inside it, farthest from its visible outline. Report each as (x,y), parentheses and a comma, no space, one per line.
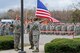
(22,27)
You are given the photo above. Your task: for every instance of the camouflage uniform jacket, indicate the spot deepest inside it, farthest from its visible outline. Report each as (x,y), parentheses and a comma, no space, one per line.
(17,29)
(36,28)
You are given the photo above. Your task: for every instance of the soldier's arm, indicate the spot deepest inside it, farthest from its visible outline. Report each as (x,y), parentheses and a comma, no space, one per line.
(42,20)
(28,28)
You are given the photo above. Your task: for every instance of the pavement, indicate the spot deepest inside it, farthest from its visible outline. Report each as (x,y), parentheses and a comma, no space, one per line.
(41,50)
(43,40)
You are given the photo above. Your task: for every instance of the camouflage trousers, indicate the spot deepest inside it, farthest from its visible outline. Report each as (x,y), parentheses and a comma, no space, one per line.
(16,40)
(36,40)
(31,40)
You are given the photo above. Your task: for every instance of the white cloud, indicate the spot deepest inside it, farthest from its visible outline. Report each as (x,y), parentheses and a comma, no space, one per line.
(9,7)
(51,4)
(58,4)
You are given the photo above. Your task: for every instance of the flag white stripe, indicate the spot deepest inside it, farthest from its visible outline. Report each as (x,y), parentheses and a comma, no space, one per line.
(49,17)
(43,10)
(43,13)
(44,16)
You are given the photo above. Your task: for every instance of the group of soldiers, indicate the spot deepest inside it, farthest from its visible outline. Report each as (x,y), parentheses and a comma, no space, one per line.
(6,29)
(61,27)
(33,29)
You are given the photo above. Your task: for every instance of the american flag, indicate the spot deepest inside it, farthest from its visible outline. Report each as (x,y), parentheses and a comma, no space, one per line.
(42,11)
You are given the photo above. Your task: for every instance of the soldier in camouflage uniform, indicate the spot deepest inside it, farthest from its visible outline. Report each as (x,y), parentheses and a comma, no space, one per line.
(17,34)
(30,34)
(36,33)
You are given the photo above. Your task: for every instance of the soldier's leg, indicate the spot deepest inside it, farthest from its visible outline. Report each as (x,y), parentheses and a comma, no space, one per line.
(36,43)
(16,41)
(36,46)
(31,41)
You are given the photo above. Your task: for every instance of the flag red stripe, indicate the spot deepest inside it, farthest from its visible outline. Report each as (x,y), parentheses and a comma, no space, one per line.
(42,10)
(50,19)
(43,13)
(42,17)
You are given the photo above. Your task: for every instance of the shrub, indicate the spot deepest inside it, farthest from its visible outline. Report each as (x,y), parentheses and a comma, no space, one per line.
(63,46)
(6,42)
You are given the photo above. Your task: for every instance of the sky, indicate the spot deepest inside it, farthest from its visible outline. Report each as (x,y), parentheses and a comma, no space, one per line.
(30,4)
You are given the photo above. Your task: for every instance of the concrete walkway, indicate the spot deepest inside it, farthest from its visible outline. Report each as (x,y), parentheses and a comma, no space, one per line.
(25,49)
(43,40)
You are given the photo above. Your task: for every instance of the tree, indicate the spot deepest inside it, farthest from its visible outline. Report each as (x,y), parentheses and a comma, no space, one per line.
(76,16)
(10,13)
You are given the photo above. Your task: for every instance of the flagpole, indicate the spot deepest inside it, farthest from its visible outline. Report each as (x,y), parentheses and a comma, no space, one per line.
(22,28)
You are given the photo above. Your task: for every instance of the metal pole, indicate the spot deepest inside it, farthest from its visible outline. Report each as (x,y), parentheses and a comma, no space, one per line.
(22,28)
(22,44)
